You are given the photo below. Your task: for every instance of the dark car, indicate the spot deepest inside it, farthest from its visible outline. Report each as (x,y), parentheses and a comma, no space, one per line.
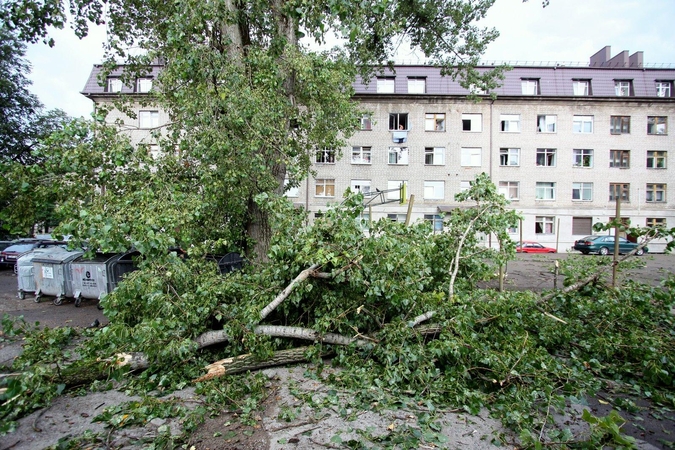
(604,245)
(10,254)
(533,247)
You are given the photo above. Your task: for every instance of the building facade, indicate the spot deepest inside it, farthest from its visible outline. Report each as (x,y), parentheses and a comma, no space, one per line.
(562,143)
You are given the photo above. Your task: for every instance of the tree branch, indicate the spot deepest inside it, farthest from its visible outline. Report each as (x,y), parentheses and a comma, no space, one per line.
(287,291)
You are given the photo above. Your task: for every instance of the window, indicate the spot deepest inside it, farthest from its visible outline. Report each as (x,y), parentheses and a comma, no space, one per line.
(143,85)
(362,186)
(470,157)
(385,85)
(472,122)
(361,155)
(657,125)
(656,159)
(529,86)
(510,123)
(400,218)
(324,187)
(582,158)
(325,156)
(656,193)
(656,222)
(114,85)
(434,122)
(394,189)
(582,191)
(434,156)
(664,88)
(546,124)
(510,189)
(581,87)
(436,221)
(434,190)
(617,190)
(545,191)
(289,190)
(619,125)
(544,225)
(622,88)
(398,121)
(582,124)
(546,157)
(619,158)
(509,156)
(464,186)
(398,155)
(417,85)
(582,226)
(148,119)
(366,122)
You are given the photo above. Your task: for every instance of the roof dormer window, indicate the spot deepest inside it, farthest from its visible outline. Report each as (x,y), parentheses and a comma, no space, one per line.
(114,85)
(143,85)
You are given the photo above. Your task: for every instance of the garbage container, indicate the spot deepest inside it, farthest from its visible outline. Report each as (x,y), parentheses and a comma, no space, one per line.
(92,277)
(53,275)
(231,262)
(25,273)
(121,266)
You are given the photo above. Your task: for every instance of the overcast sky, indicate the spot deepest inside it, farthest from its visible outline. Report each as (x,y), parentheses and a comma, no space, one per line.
(565,31)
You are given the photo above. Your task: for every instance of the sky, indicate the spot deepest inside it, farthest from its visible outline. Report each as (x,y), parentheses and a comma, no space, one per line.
(564,31)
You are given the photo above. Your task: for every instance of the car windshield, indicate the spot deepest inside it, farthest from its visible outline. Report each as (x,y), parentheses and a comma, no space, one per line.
(19,248)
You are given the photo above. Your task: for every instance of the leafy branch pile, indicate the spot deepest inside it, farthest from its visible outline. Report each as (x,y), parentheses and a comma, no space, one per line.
(384,307)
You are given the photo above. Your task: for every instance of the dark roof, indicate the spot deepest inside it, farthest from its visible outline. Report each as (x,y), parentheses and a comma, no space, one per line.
(554,81)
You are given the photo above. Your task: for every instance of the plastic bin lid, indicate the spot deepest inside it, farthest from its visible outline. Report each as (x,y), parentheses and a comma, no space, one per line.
(37,252)
(56,256)
(98,258)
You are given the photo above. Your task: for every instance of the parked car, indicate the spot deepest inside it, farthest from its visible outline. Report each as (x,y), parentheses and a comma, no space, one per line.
(604,245)
(533,247)
(10,254)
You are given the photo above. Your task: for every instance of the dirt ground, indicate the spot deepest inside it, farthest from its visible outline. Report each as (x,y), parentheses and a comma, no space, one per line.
(304,427)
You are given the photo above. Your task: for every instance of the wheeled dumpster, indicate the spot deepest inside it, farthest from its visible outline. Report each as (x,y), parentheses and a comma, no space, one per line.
(53,274)
(231,262)
(121,266)
(92,277)
(25,273)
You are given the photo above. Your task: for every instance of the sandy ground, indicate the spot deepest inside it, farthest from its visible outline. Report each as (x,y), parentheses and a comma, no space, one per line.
(309,428)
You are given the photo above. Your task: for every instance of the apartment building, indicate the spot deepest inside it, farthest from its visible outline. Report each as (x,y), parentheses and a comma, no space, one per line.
(561,142)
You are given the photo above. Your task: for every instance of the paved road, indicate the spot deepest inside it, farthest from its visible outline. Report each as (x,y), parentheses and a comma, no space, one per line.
(527,272)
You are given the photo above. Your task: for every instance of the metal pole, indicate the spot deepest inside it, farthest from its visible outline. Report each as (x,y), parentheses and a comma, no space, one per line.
(521,233)
(557,235)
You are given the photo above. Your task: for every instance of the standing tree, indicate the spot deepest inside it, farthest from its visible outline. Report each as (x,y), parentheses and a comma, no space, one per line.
(250,103)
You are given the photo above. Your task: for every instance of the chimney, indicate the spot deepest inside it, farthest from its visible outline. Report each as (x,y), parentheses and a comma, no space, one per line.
(601,57)
(620,60)
(636,60)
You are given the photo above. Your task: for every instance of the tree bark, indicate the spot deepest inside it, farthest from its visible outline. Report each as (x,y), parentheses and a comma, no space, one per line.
(287,291)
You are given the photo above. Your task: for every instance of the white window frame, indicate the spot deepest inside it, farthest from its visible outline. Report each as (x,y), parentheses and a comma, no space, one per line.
(144,85)
(417,85)
(655,193)
(148,119)
(398,156)
(548,157)
(471,157)
(434,190)
(547,123)
(436,221)
(472,122)
(657,159)
(115,85)
(622,88)
(582,124)
(581,87)
(582,192)
(657,125)
(434,122)
(325,156)
(366,122)
(510,189)
(544,225)
(582,157)
(545,191)
(396,120)
(529,86)
(324,187)
(664,88)
(434,156)
(386,85)
(510,123)
(362,155)
(509,157)
(362,186)
(290,192)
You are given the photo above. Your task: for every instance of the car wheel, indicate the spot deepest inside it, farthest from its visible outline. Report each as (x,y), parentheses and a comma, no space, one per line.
(640,252)
(604,251)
